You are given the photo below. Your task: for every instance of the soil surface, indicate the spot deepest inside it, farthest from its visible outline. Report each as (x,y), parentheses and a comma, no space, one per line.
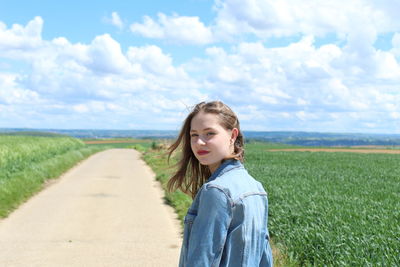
(106,211)
(381,151)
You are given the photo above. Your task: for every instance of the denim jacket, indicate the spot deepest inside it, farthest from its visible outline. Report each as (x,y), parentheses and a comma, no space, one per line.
(226,224)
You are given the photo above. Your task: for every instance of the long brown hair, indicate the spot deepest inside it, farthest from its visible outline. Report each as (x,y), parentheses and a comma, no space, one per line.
(190,174)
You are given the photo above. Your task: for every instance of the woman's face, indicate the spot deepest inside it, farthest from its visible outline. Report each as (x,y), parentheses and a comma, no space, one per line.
(211,142)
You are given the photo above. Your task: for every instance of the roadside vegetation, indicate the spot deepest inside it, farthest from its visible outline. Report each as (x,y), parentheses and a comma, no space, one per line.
(156,158)
(326,209)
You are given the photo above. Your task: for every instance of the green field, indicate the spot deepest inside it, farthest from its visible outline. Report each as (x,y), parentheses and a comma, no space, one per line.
(332,208)
(326,209)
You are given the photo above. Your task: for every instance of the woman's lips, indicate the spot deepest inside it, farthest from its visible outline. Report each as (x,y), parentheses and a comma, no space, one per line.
(202,152)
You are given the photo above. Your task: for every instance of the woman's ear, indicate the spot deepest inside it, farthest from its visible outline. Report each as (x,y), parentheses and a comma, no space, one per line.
(234,134)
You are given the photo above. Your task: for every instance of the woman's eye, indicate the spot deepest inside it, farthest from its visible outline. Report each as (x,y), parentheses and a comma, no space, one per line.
(194,135)
(209,134)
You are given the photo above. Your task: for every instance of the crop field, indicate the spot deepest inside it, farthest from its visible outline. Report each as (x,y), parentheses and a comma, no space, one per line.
(350,150)
(18,152)
(335,209)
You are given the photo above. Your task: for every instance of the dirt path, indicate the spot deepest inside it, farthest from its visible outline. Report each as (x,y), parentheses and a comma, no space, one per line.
(106,211)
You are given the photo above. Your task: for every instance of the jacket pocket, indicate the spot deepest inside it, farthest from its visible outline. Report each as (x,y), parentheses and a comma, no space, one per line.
(190,216)
(188,223)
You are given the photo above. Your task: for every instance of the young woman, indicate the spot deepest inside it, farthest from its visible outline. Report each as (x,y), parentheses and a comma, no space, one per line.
(226,224)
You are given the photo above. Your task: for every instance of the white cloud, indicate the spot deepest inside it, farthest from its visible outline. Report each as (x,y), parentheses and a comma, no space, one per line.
(304,84)
(357,22)
(11,93)
(81,108)
(18,41)
(114,20)
(106,56)
(306,116)
(149,28)
(77,82)
(343,86)
(177,29)
(387,66)
(96,107)
(396,44)
(151,58)
(266,18)
(395,115)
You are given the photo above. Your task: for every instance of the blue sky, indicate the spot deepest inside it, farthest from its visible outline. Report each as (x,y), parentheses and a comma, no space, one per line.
(331,66)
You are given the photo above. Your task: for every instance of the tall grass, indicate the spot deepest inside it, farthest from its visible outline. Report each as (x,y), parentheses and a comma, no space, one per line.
(19,152)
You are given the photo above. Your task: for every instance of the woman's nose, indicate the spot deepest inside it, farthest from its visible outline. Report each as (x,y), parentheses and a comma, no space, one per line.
(201,141)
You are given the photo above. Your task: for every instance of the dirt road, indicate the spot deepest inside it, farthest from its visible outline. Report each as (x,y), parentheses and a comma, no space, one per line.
(106,211)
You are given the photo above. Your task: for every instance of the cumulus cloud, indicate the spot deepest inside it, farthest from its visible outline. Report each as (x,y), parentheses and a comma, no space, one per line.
(356,22)
(19,40)
(105,55)
(346,85)
(11,93)
(177,29)
(114,20)
(396,44)
(151,58)
(288,18)
(304,84)
(83,81)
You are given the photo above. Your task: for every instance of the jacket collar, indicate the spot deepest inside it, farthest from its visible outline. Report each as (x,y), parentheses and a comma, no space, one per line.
(225,166)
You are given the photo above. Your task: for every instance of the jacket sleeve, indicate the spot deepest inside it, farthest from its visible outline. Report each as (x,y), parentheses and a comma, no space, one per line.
(209,229)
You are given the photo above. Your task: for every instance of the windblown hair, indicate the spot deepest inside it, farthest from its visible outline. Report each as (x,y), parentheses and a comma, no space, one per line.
(191,175)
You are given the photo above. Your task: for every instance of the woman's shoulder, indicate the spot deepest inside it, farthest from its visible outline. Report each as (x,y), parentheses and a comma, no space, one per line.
(227,176)
(236,183)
